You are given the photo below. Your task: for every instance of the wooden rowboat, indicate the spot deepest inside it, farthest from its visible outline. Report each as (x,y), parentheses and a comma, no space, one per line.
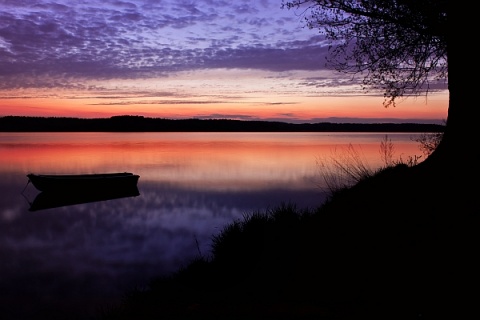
(87,182)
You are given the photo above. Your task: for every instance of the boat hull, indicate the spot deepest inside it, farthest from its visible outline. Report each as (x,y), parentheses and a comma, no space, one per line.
(85,182)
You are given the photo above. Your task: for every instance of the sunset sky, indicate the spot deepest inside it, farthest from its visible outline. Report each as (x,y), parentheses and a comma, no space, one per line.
(246,59)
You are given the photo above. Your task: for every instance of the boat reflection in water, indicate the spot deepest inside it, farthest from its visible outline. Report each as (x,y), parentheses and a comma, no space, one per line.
(66,190)
(55,199)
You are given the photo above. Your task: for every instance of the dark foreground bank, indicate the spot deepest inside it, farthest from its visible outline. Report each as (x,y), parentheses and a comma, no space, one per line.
(401,244)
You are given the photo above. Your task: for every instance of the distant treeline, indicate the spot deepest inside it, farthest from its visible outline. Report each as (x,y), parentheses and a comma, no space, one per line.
(144,124)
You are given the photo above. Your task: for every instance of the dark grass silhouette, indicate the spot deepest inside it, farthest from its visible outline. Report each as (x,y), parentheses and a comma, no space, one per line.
(400,244)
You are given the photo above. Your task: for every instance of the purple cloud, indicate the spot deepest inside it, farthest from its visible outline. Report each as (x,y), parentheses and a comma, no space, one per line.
(126,39)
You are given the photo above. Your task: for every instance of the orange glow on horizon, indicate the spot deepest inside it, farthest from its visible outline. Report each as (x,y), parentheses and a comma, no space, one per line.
(308,108)
(241,94)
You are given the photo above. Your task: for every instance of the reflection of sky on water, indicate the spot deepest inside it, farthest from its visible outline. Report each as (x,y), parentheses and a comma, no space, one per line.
(91,253)
(191,186)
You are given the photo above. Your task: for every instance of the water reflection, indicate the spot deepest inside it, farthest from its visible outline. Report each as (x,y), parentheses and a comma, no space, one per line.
(51,199)
(73,259)
(83,256)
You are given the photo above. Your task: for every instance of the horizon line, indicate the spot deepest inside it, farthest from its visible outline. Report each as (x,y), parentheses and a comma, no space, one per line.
(339,120)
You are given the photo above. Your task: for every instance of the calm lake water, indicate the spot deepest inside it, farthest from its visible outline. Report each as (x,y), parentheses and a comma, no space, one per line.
(76,259)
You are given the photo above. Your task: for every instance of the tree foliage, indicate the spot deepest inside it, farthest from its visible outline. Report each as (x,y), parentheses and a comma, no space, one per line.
(398,46)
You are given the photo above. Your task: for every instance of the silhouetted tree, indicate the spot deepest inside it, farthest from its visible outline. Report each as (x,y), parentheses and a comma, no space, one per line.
(401,47)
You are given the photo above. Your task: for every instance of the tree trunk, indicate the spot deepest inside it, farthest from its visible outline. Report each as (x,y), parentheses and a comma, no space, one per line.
(458,151)
(452,174)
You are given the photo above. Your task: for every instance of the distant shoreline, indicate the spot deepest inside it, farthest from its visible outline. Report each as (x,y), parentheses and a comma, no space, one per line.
(144,124)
